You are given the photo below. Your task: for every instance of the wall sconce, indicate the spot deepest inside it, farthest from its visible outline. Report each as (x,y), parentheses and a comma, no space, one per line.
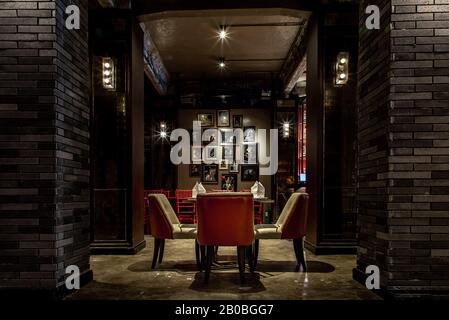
(108,74)
(163,130)
(342,68)
(286,130)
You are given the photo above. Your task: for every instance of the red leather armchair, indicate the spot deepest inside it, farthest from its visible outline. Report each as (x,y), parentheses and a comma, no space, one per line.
(225,219)
(291,224)
(165,225)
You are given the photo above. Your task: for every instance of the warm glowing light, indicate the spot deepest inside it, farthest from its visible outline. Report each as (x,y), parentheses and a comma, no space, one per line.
(221,64)
(108,73)
(163,134)
(162,125)
(342,68)
(223,34)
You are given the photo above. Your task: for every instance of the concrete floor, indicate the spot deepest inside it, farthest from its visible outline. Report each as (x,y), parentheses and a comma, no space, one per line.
(131,277)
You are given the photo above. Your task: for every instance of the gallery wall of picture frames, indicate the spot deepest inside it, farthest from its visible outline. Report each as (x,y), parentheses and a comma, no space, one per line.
(220,149)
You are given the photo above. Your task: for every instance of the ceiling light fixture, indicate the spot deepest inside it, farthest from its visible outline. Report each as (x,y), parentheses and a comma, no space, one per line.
(223,33)
(221,63)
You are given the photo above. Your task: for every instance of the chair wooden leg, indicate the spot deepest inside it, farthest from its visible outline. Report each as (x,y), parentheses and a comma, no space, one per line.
(250,257)
(161,251)
(198,256)
(157,243)
(255,253)
(209,257)
(241,261)
(298,245)
(203,258)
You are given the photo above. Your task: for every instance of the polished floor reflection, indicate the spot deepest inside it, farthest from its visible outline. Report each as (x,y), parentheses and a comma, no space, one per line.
(131,277)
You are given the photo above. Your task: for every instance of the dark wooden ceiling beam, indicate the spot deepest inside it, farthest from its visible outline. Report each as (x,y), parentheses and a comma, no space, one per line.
(143,7)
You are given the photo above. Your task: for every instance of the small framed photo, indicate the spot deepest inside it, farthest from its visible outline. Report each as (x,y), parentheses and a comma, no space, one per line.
(229,182)
(250,173)
(195,136)
(227,137)
(228,153)
(206,119)
(250,153)
(196,154)
(249,134)
(211,154)
(234,167)
(194,170)
(223,118)
(210,136)
(237,121)
(209,173)
(224,165)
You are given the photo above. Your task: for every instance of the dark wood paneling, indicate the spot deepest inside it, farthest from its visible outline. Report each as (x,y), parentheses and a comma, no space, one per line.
(314,128)
(137,132)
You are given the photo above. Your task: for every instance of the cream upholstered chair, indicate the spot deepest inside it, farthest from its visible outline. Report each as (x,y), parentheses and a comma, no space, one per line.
(165,225)
(291,224)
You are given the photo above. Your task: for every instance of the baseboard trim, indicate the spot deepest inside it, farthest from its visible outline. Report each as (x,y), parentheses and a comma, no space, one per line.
(330,248)
(116,249)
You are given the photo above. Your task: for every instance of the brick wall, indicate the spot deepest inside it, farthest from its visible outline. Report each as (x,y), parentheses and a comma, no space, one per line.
(404,146)
(44,154)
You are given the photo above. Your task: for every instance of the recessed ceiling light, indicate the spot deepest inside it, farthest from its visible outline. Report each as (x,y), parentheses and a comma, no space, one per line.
(222,63)
(223,33)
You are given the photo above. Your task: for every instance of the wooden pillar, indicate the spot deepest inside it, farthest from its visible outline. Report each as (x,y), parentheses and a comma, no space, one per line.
(118,134)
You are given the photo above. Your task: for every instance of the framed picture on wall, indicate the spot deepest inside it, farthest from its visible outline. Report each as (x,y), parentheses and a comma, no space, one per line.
(211,153)
(229,182)
(209,173)
(237,121)
(210,136)
(194,170)
(228,153)
(196,154)
(249,134)
(224,165)
(250,173)
(250,153)
(227,137)
(223,118)
(206,119)
(195,136)
(234,167)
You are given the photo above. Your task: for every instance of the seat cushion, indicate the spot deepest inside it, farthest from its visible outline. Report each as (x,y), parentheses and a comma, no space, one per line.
(267,231)
(184,231)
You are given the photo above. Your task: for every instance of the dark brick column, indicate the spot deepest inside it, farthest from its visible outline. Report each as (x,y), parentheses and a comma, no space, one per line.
(44,144)
(404,147)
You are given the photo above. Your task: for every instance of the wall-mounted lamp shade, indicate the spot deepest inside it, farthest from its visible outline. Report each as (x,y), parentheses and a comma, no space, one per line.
(108,73)
(342,68)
